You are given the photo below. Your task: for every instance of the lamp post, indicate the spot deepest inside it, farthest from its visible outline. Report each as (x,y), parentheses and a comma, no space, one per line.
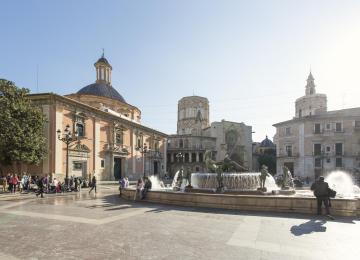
(143,150)
(68,138)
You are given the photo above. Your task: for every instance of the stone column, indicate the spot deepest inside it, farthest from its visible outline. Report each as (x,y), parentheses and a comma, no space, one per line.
(197,156)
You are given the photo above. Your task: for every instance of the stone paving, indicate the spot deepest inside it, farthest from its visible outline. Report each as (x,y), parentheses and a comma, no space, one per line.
(103,226)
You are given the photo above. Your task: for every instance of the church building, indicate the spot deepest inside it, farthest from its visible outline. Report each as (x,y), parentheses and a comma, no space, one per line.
(110,141)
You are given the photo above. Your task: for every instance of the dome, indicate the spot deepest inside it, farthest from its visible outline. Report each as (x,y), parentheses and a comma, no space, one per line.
(267,143)
(102,90)
(103,60)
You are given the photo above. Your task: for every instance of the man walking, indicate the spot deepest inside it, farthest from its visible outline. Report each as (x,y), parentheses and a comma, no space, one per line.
(93,184)
(321,192)
(40,187)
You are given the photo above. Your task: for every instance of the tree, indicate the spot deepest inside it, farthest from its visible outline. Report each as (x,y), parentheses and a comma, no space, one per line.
(21,127)
(268,158)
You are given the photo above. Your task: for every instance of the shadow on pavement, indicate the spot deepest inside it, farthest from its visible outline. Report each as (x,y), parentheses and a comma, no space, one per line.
(313,225)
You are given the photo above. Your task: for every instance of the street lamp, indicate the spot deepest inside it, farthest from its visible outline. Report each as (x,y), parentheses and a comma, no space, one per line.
(68,138)
(143,150)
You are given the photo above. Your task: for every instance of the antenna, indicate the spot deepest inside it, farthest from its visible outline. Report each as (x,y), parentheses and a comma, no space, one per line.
(103,52)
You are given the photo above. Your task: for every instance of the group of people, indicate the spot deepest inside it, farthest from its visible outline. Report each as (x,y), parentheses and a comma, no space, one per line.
(25,183)
(13,182)
(143,185)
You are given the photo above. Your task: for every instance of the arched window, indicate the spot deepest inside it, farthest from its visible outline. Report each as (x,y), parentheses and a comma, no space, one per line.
(79,125)
(119,137)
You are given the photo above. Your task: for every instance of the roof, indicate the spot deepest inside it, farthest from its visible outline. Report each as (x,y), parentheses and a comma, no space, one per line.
(348,112)
(104,60)
(103,90)
(267,143)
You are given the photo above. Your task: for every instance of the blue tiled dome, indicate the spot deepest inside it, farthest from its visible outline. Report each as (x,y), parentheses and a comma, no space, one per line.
(102,90)
(267,143)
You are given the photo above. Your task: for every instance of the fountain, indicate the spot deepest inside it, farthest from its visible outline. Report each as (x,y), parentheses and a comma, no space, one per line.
(232,182)
(249,191)
(343,184)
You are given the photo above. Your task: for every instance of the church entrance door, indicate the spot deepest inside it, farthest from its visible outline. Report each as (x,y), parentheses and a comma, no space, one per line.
(117,168)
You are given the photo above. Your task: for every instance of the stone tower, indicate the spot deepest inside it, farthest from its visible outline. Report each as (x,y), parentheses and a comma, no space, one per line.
(312,103)
(193,115)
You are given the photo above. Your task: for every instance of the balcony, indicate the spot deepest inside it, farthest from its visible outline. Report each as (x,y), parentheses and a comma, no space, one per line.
(154,154)
(288,155)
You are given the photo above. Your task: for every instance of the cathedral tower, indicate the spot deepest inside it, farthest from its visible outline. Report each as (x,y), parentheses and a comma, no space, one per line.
(311,103)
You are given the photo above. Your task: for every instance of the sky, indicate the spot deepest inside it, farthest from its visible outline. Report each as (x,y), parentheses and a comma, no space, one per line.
(249,58)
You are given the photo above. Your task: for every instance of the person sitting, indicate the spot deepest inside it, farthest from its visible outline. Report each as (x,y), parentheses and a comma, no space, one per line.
(147,187)
(139,188)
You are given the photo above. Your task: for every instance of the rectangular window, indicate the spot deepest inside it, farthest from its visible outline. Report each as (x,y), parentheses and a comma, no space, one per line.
(317,162)
(338,162)
(328,149)
(328,160)
(357,124)
(288,149)
(338,149)
(317,128)
(77,166)
(338,127)
(118,138)
(193,157)
(80,129)
(328,126)
(317,149)
(187,157)
(200,157)
(102,163)
(287,131)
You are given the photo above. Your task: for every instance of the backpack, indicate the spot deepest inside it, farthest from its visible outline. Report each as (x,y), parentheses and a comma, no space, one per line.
(331,193)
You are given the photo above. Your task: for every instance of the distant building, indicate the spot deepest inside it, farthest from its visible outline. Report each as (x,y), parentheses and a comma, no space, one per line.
(195,135)
(111,136)
(317,141)
(264,153)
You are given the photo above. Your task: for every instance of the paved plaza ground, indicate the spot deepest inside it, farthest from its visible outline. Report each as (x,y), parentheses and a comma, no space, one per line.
(103,226)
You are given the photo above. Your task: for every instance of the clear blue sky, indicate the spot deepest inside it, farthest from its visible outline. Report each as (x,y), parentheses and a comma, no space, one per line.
(249,58)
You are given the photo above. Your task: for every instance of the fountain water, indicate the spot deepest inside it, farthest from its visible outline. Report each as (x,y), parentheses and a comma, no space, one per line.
(232,181)
(342,183)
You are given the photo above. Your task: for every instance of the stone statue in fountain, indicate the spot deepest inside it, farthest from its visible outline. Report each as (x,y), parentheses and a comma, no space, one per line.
(264,173)
(215,167)
(188,178)
(287,182)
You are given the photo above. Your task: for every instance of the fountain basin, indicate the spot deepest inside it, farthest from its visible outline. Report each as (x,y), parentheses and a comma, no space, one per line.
(269,203)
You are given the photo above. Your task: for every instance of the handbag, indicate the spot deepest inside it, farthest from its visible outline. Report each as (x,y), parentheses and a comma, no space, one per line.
(331,193)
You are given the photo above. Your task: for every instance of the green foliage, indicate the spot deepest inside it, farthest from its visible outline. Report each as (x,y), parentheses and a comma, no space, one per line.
(21,126)
(269,160)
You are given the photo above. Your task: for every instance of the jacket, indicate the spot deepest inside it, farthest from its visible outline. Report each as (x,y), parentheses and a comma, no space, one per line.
(320,188)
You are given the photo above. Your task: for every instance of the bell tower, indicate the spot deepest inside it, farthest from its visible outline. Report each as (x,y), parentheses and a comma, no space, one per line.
(103,71)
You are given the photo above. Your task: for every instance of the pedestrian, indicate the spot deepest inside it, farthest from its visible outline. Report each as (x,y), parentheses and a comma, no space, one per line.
(4,184)
(93,184)
(8,180)
(14,182)
(40,185)
(321,192)
(139,187)
(121,184)
(79,184)
(147,187)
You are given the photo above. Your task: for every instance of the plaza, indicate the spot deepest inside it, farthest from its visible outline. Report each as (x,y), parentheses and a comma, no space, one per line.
(104,226)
